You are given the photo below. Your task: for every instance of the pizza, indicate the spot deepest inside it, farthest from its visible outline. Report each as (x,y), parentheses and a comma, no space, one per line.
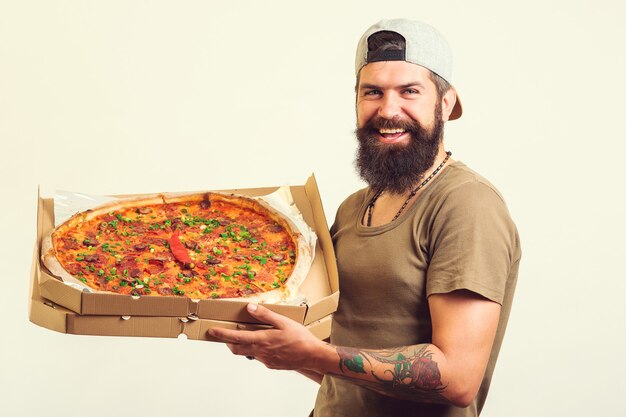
(201,246)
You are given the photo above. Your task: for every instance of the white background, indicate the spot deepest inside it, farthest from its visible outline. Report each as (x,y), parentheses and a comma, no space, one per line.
(145,96)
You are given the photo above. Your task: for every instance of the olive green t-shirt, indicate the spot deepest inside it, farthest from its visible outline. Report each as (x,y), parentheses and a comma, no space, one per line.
(457,234)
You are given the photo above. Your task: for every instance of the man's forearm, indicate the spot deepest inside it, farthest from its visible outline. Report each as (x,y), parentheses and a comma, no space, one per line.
(312,375)
(413,373)
(406,372)
(449,370)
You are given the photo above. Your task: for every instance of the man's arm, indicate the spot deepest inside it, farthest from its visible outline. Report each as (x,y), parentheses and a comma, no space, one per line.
(312,375)
(448,370)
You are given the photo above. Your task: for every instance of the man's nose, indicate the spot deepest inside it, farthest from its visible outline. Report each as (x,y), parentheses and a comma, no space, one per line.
(389,107)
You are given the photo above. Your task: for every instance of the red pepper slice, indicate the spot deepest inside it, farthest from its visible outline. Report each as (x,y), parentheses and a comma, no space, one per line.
(178,249)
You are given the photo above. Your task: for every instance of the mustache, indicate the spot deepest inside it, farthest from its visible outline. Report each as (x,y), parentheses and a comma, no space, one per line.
(377,123)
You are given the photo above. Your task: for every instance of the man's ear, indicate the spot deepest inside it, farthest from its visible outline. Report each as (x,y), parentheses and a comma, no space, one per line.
(447,103)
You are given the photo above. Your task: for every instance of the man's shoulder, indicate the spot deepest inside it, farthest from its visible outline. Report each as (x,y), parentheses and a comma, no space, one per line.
(355,199)
(349,208)
(468,196)
(461,179)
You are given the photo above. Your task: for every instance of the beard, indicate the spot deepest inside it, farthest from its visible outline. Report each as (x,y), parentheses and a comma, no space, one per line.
(397,168)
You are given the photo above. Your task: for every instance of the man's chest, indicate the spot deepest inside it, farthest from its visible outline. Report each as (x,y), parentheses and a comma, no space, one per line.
(387,266)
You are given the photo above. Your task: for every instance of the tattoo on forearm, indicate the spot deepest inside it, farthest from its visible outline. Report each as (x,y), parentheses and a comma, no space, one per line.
(352,359)
(406,372)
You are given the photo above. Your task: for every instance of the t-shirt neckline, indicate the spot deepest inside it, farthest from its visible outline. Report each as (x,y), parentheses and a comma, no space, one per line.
(407,214)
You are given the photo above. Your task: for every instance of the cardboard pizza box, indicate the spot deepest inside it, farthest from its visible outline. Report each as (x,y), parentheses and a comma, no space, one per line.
(52,316)
(320,286)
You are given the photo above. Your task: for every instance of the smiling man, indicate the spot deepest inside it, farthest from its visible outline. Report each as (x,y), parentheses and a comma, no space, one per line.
(427,253)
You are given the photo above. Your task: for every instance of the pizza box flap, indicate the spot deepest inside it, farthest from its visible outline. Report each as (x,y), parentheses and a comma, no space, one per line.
(320,286)
(321,228)
(140,326)
(134,306)
(43,312)
(236,311)
(322,307)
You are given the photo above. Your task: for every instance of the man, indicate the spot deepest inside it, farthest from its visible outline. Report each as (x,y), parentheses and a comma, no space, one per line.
(427,254)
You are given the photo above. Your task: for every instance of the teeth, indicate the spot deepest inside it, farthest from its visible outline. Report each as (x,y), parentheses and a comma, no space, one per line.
(391,131)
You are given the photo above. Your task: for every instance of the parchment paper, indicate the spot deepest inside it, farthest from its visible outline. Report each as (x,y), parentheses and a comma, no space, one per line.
(68,203)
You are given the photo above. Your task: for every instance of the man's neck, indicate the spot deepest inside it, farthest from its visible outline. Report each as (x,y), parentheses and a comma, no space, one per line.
(389,204)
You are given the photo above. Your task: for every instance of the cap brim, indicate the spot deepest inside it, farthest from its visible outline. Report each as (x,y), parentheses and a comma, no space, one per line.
(457,111)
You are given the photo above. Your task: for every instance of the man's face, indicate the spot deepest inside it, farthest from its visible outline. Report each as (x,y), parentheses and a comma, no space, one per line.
(396,90)
(400,125)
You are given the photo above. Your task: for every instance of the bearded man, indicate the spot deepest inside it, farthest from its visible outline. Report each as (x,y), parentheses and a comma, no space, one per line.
(427,254)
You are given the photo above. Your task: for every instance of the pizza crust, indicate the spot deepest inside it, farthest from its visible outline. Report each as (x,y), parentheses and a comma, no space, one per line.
(48,256)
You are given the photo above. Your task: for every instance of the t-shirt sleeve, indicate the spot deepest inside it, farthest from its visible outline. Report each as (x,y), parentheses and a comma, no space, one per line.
(346,212)
(338,217)
(472,243)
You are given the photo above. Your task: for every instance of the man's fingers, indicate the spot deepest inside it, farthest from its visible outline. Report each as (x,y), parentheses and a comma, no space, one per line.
(267,316)
(242,350)
(233,336)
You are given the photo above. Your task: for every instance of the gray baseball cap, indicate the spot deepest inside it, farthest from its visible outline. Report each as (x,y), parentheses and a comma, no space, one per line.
(425,46)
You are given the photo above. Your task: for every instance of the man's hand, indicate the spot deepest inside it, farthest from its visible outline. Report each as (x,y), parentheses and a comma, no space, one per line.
(289,345)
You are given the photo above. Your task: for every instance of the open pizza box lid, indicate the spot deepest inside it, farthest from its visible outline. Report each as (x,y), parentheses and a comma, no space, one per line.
(320,285)
(52,316)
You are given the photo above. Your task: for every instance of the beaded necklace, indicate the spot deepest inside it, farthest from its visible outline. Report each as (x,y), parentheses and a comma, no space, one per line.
(370,206)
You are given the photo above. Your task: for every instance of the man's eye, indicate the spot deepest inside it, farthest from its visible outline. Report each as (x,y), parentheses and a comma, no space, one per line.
(411,91)
(373,93)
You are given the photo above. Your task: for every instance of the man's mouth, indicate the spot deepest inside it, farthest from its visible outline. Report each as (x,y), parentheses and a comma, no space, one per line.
(391,135)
